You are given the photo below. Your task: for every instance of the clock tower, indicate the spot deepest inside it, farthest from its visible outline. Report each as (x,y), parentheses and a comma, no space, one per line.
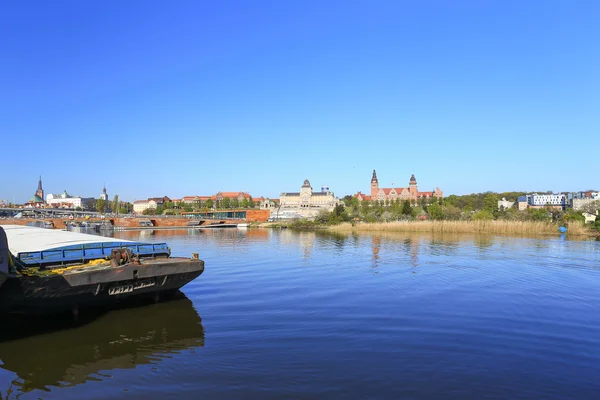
(374,186)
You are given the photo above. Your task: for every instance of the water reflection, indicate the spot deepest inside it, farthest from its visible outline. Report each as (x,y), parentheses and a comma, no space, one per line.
(484,242)
(62,352)
(375,248)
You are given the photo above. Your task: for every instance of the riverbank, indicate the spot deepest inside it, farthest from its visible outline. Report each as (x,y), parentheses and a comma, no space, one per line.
(490,227)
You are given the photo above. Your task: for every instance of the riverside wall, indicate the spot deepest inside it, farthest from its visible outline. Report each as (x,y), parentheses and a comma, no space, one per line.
(60,223)
(136,222)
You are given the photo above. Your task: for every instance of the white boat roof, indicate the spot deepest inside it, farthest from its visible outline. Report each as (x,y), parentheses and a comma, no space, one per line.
(23,239)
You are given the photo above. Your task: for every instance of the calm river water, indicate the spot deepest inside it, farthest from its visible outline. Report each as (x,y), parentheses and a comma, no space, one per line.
(303,315)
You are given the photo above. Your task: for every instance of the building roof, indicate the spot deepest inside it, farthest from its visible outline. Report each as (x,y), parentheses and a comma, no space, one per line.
(159,199)
(362,195)
(306,183)
(35,199)
(192,198)
(388,190)
(232,195)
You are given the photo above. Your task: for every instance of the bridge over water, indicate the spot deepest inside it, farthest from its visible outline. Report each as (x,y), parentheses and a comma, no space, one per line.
(6,212)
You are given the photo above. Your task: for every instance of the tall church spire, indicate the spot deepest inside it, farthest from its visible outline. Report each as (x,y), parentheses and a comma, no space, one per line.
(374,178)
(40,192)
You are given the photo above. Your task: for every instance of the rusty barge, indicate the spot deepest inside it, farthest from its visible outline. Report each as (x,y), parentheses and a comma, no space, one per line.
(44,271)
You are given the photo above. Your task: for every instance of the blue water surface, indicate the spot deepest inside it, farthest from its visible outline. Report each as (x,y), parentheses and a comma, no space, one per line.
(285,314)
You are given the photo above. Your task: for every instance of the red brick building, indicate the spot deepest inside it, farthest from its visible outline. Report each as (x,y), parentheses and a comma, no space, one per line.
(410,193)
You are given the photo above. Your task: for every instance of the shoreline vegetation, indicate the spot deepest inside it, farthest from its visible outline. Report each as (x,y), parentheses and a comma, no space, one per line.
(507,228)
(487,227)
(472,214)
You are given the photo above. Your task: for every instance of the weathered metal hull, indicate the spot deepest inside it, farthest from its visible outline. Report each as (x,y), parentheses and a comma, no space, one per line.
(80,288)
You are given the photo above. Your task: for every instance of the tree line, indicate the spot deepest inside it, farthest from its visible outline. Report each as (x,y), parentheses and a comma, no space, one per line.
(476,206)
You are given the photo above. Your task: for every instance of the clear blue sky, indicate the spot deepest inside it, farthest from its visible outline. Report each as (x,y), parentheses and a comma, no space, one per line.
(194,97)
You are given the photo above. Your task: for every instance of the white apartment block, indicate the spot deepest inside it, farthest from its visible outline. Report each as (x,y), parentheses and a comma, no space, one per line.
(547,199)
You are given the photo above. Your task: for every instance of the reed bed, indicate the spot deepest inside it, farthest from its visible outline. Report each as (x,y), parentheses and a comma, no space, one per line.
(490,227)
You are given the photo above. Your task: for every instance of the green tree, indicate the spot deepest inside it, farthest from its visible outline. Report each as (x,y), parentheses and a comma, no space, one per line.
(338,215)
(416,211)
(226,203)
(235,203)
(244,203)
(365,207)
(251,203)
(348,200)
(323,217)
(510,214)
(483,215)
(435,211)
(353,205)
(115,204)
(451,212)
(100,205)
(452,200)
(406,208)
(490,202)
(540,214)
(572,215)
(209,203)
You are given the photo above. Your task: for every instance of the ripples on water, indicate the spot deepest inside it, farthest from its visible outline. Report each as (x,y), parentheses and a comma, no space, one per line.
(283,314)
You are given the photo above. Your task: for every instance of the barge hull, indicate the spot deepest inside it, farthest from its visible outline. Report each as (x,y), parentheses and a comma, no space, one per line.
(41,295)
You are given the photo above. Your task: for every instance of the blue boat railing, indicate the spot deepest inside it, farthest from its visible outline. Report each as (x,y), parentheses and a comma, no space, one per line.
(90,252)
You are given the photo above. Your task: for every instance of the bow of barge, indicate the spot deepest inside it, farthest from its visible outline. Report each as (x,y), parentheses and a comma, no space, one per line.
(45,270)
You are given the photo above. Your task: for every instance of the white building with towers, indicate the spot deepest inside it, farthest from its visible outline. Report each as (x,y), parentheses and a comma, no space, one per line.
(307,203)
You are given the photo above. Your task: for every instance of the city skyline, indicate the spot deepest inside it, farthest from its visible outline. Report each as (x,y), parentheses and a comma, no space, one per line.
(254,195)
(192,98)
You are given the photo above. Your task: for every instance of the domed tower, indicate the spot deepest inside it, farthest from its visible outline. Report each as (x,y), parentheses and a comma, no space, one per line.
(374,186)
(104,195)
(305,194)
(306,188)
(412,187)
